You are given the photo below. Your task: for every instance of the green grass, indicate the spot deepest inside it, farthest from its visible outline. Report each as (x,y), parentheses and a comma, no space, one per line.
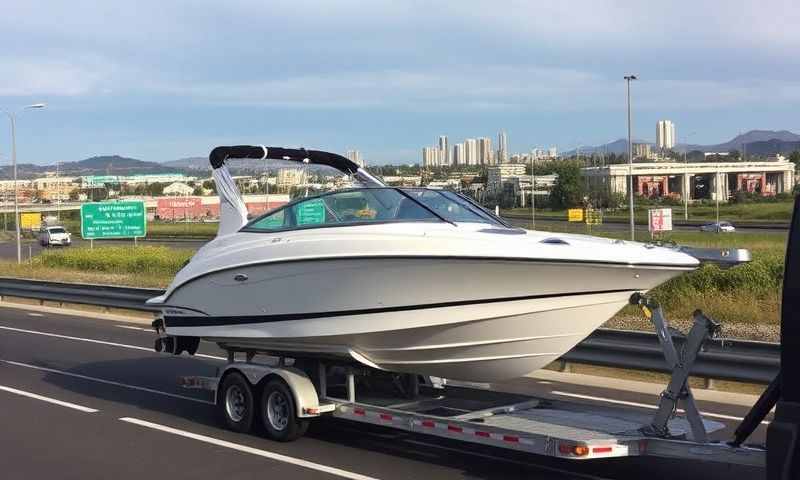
(765,212)
(117,260)
(749,293)
(160,229)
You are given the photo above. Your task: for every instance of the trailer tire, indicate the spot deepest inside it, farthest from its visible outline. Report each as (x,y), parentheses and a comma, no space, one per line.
(236,403)
(279,412)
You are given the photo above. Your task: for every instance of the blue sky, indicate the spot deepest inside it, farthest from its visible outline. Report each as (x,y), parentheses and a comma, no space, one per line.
(161,80)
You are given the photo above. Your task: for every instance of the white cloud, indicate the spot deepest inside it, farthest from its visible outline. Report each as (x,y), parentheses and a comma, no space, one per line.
(461,55)
(32,77)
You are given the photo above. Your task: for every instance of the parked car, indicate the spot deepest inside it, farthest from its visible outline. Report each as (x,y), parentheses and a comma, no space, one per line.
(718,227)
(54,235)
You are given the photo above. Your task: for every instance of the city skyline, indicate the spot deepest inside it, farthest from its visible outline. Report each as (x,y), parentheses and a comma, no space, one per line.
(478,151)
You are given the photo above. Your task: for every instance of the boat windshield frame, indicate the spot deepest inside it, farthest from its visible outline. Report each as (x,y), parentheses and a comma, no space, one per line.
(463,201)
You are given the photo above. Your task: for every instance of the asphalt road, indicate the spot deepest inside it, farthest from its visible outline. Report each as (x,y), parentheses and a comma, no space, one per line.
(87,398)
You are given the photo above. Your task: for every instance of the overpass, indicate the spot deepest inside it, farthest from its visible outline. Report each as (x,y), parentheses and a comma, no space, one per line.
(704,180)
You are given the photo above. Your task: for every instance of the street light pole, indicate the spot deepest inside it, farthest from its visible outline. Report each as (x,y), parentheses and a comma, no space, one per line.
(533,194)
(13,119)
(628,79)
(58,193)
(687,184)
(14,168)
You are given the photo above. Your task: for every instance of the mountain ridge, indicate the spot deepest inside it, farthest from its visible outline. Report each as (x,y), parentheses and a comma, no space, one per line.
(763,142)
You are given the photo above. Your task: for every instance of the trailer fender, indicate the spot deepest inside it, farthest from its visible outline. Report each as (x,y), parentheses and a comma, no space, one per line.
(305,395)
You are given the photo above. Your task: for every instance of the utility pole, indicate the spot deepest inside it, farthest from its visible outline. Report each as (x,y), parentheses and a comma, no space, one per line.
(628,79)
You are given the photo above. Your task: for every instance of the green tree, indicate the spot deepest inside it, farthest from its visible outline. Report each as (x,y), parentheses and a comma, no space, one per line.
(794,157)
(210,185)
(155,189)
(568,190)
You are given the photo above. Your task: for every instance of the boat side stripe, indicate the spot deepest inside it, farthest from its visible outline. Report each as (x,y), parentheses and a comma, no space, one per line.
(214,321)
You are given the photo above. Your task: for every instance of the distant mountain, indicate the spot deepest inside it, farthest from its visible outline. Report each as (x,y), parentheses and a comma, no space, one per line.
(771,147)
(617,146)
(113,165)
(752,137)
(754,142)
(100,165)
(191,163)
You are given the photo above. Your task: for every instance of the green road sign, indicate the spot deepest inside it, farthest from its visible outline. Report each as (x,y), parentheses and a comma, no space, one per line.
(113,220)
(311,212)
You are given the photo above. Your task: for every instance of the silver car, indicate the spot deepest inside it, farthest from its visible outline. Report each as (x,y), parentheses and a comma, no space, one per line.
(54,235)
(717,227)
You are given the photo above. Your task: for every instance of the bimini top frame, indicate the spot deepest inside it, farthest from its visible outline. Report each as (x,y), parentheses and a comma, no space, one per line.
(219,155)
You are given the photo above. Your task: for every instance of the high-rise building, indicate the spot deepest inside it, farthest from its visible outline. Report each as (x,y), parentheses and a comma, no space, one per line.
(445,151)
(552,152)
(430,157)
(458,154)
(485,156)
(355,156)
(641,150)
(471,151)
(665,134)
(502,147)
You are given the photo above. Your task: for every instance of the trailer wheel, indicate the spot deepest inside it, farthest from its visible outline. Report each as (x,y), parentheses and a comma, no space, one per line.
(236,403)
(279,413)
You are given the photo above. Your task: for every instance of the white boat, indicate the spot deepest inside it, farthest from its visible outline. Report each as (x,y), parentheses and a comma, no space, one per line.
(405,280)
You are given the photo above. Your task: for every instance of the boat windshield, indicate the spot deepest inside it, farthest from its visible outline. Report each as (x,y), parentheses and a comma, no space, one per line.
(452,206)
(370,205)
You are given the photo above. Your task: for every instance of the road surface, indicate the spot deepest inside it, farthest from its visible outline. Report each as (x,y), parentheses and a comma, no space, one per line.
(87,398)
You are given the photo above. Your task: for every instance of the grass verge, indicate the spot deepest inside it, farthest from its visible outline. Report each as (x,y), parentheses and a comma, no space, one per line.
(764,212)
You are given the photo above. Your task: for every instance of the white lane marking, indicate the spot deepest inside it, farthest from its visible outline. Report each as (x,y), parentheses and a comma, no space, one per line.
(149,330)
(23,393)
(645,405)
(107,382)
(91,340)
(32,314)
(251,450)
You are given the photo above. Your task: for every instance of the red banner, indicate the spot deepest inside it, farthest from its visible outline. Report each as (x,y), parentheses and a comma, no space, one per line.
(177,208)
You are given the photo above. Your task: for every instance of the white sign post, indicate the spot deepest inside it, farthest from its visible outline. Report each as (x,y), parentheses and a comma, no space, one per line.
(659,220)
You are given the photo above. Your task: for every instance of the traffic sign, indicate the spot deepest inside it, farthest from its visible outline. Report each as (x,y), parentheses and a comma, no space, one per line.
(113,220)
(575,214)
(30,220)
(660,220)
(311,212)
(594,217)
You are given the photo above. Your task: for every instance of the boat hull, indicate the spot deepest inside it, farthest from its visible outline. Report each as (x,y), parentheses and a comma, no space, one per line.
(469,319)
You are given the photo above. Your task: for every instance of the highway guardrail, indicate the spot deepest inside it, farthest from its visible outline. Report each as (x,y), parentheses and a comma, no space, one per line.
(724,359)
